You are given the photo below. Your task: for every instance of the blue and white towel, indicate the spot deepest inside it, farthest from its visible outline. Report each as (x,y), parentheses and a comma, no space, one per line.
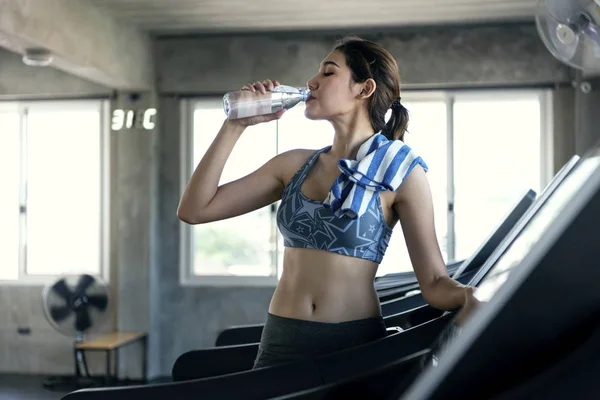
(380,164)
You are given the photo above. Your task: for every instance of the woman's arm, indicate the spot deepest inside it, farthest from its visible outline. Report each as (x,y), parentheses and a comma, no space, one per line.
(205,201)
(414,206)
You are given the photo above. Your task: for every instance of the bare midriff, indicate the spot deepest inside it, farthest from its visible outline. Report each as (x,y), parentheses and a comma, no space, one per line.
(322,286)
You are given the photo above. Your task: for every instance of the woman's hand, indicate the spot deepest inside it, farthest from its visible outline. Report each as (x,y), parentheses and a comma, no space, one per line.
(470,305)
(263,87)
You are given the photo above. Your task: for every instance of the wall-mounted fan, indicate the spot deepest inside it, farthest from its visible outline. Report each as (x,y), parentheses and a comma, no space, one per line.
(570,29)
(75,306)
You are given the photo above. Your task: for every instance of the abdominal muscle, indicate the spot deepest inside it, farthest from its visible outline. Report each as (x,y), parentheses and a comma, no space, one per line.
(322,286)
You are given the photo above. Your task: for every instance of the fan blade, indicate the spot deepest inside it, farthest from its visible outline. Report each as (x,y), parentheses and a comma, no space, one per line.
(564,10)
(99,301)
(62,289)
(83,320)
(60,313)
(84,282)
(588,54)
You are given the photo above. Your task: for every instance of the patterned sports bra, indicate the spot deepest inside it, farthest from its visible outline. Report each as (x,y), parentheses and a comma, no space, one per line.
(307,223)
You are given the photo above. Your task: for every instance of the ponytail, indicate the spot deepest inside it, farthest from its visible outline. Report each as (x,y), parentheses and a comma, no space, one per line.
(397,125)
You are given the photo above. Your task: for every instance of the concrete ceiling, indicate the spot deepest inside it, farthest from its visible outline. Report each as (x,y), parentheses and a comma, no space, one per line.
(221,16)
(109,41)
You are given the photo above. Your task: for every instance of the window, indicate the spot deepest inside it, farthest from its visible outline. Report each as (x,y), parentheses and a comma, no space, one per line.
(473,183)
(9,201)
(241,246)
(497,158)
(52,156)
(428,138)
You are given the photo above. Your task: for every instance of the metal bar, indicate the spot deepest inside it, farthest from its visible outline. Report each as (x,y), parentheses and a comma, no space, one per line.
(450,236)
(23,132)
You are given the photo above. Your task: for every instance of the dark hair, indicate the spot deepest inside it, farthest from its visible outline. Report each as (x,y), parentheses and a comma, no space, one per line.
(366,60)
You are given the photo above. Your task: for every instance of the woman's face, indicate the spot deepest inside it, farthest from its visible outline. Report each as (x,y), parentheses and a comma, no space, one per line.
(333,93)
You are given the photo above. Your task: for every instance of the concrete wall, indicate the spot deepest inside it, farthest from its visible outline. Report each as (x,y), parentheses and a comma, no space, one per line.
(438,58)
(134,171)
(43,350)
(563,109)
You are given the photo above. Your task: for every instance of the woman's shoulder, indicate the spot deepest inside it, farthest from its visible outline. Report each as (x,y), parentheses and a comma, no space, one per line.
(291,161)
(296,156)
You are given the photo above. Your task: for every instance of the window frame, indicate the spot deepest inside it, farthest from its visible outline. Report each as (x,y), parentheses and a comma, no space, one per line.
(546,133)
(22,108)
(186,275)
(449,97)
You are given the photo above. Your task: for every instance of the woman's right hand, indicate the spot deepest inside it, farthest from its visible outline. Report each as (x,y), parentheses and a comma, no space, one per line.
(263,87)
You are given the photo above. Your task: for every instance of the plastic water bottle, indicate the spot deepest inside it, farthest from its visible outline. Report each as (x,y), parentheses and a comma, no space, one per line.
(244,103)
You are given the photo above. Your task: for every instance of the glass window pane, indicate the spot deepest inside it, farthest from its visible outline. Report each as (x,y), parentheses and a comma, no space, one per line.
(427,136)
(295,131)
(497,158)
(9,200)
(63,191)
(243,245)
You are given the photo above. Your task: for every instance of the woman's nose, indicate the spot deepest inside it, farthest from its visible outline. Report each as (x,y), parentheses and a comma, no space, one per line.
(311,84)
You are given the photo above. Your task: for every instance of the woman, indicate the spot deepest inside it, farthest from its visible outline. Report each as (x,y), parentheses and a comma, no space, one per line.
(325,300)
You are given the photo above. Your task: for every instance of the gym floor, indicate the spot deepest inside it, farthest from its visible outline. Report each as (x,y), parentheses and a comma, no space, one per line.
(31,387)
(27,387)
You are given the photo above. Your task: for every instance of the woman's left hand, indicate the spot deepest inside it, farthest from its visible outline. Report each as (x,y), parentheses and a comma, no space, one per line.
(470,305)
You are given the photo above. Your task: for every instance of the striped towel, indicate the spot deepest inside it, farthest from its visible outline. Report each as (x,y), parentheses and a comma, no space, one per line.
(380,164)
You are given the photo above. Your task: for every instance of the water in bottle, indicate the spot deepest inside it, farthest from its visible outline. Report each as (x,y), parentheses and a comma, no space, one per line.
(245,103)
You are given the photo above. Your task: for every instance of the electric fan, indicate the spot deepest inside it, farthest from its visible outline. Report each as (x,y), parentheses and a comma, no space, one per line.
(75,306)
(570,29)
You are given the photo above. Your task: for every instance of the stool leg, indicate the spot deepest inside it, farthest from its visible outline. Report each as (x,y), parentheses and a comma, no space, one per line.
(145,360)
(77,371)
(84,362)
(117,364)
(107,367)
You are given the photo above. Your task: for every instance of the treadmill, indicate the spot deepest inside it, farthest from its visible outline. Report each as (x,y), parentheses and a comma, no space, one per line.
(537,332)
(404,351)
(462,271)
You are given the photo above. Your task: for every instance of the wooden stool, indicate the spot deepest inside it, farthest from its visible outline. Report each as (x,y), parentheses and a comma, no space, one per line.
(112,342)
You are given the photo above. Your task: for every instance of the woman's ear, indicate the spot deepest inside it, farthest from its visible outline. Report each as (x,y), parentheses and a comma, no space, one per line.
(368,88)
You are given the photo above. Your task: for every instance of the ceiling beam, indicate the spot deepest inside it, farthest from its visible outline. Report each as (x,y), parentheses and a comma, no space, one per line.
(85,41)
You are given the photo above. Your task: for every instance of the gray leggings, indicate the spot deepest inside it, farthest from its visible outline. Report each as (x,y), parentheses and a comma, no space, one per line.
(287,340)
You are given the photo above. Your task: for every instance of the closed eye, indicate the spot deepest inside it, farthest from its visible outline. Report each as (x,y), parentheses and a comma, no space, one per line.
(328,73)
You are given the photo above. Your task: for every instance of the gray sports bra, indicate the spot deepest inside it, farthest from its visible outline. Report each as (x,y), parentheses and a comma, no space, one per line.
(307,223)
